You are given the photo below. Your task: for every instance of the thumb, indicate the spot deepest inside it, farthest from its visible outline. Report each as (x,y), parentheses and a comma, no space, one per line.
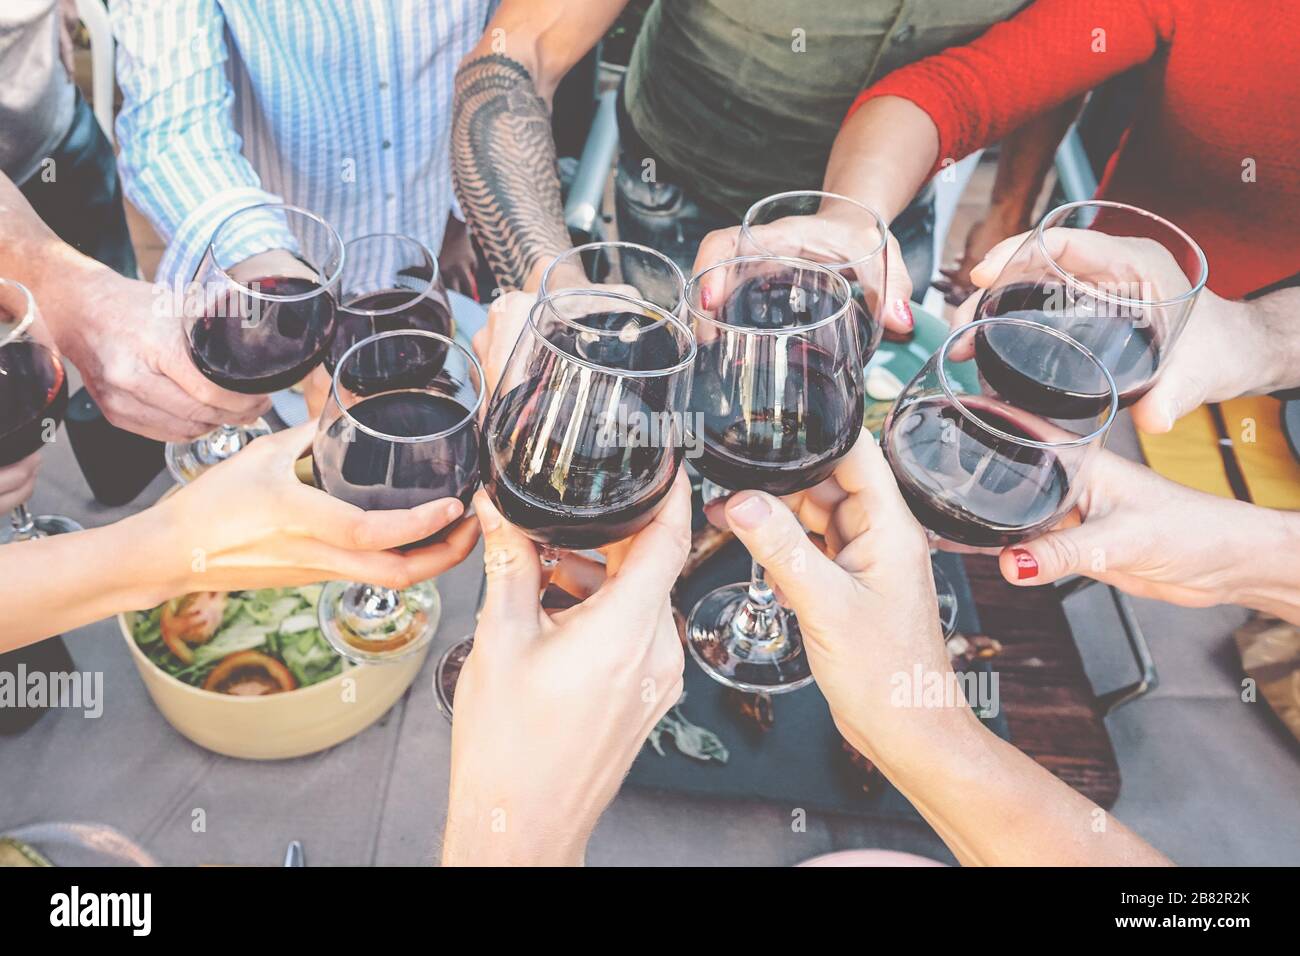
(1058,554)
(1172,397)
(807,578)
(514,574)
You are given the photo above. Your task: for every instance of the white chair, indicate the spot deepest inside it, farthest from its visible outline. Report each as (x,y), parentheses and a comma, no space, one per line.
(94,15)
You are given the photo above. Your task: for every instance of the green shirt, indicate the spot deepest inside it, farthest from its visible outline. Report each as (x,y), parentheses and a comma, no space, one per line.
(743,98)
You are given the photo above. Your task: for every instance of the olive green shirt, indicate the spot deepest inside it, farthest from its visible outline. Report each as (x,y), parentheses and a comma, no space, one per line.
(743,98)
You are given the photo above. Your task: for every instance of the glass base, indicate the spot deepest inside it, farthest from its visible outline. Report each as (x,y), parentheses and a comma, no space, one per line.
(187,460)
(44,525)
(447,674)
(374,625)
(947,595)
(772,663)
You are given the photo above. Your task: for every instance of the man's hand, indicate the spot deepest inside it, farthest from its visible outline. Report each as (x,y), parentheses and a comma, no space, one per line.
(128,344)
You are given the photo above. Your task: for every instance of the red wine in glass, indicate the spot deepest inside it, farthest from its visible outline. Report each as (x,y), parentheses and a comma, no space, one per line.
(566,493)
(968,484)
(374,472)
(1046,381)
(260,345)
(385,311)
(796,426)
(33,392)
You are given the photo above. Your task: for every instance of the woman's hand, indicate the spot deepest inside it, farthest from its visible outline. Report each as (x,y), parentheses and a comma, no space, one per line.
(1154,538)
(18,481)
(819,239)
(870,625)
(1227,348)
(868,612)
(249,523)
(552,708)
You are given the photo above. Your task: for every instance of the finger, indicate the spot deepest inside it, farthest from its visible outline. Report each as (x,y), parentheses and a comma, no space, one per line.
(578,575)
(514,574)
(714,248)
(130,414)
(985,272)
(16,495)
(229,407)
(898,290)
(1082,549)
(654,558)
(435,559)
(810,581)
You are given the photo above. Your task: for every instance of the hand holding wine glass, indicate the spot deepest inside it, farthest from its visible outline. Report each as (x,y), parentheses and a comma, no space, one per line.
(1119,280)
(1154,538)
(553,707)
(1227,348)
(831,230)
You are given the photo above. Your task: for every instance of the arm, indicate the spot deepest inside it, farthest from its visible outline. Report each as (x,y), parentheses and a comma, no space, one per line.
(503,153)
(129,350)
(990,803)
(934,112)
(1026,156)
(182,162)
(248,523)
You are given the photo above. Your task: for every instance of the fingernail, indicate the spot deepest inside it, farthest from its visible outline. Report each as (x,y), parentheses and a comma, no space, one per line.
(904,313)
(706,298)
(1026,566)
(451,510)
(749,512)
(488,518)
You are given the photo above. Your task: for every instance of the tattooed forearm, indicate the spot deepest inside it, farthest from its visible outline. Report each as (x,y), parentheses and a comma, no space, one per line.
(503,162)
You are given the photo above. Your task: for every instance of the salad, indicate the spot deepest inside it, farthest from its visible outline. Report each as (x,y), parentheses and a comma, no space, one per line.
(244,643)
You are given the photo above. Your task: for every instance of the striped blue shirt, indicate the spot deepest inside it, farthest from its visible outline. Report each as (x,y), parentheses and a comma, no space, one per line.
(342,107)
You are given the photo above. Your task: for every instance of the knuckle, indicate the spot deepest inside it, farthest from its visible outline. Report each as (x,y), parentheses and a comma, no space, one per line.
(1063,550)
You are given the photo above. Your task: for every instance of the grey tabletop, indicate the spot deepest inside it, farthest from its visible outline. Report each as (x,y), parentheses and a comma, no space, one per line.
(1207,778)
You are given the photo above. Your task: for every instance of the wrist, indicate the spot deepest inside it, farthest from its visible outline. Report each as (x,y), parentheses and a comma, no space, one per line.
(157,564)
(912,739)
(1266,574)
(504,831)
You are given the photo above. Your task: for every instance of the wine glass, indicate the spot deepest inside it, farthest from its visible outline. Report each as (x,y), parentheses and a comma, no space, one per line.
(642,273)
(389,282)
(399,429)
(264,316)
(985,459)
(585,431)
(832,230)
(1129,311)
(33,397)
(777,402)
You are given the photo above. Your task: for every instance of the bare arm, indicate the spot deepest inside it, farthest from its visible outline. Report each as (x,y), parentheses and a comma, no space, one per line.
(503,153)
(883,154)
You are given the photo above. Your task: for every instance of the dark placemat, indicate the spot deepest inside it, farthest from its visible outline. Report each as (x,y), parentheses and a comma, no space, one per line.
(799,762)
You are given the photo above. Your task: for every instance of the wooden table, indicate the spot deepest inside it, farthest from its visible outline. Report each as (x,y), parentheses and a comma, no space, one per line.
(1051,710)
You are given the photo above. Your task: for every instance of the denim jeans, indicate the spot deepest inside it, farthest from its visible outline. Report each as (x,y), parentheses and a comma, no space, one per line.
(80,197)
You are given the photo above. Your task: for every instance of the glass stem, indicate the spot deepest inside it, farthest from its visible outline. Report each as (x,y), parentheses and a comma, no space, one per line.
(550,559)
(762,599)
(24,524)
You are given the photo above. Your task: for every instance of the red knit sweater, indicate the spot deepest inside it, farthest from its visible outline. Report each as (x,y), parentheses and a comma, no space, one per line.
(1214,145)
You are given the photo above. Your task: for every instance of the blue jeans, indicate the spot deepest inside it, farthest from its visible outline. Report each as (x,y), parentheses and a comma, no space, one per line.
(83,201)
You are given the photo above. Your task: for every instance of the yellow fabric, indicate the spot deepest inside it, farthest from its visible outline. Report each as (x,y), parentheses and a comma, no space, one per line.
(1190,456)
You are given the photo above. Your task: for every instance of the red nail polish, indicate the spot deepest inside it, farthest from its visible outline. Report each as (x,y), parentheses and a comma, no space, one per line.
(1026,566)
(904,312)
(706,300)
